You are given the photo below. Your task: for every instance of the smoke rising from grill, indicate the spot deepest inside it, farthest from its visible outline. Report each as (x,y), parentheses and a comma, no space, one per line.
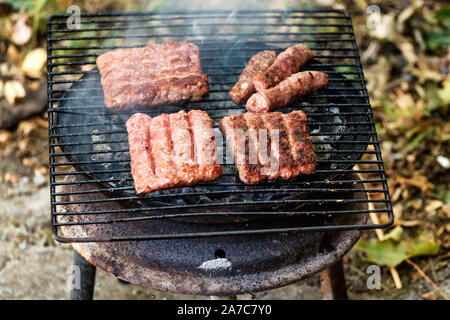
(186,6)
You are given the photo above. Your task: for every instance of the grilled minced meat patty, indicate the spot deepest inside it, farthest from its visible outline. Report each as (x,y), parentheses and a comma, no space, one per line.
(172,150)
(287,91)
(153,75)
(269,145)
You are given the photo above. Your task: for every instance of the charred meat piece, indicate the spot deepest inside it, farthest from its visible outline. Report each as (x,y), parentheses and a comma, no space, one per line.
(282,145)
(259,135)
(288,62)
(286,92)
(300,142)
(153,75)
(142,166)
(183,148)
(204,141)
(173,150)
(244,87)
(236,131)
(161,147)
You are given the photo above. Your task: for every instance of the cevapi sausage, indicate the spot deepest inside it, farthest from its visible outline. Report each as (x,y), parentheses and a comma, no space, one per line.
(244,87)
(172,150)
(287,63)
(286,92)
(290,152)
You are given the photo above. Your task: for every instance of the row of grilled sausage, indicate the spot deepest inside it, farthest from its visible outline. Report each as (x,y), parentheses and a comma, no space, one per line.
(179,149)
(271,82)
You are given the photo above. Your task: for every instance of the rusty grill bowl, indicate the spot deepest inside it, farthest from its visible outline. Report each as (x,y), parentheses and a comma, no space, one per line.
(257,262)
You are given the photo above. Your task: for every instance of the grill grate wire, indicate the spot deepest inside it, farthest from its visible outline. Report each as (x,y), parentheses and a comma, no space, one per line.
(330,35)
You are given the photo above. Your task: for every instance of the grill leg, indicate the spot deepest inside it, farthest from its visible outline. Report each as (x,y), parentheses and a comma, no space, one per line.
(85,290)
(332,282)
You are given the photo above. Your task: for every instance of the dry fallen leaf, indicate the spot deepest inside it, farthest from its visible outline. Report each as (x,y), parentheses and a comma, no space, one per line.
(404,100)
(5,136)
(12,178)
(398,211)
(22,144)
(7,27)
(28,162)
(34,62)
(371,51)
(417,180)
(377,77)
(409,223)
(87,67)
(396,195)
(40,170)
(13,90)
(26,127)
(444,93)
(426,71)
(433,205)
(446,210)
(384,218)
(385,29)
(40,122)
(430,296)
(407,50)
(426,74)
(13,55)
(35,85)
(9,70)
(404,16)
(21,32)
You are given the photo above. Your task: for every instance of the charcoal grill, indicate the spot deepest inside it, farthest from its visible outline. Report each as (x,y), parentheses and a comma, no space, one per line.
(91,184)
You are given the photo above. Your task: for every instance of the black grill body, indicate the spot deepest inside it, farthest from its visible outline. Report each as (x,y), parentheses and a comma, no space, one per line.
(86,138)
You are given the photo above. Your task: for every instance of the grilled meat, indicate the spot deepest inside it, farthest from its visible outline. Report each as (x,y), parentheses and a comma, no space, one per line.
(153,75)
(281,149)
(204,141)
(161,149)
(300,142)
(287,91)
(183,148)
(288,62)
(138,127)
(236,131)
(280,143)
(259,135)
(172,150)
(244,87)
